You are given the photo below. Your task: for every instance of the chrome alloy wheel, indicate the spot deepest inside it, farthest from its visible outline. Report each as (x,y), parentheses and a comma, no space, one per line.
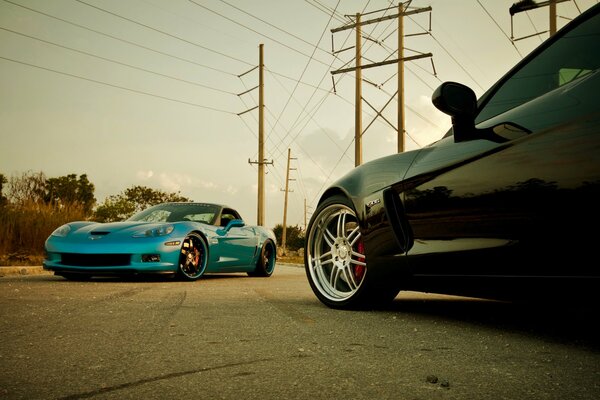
(335,253)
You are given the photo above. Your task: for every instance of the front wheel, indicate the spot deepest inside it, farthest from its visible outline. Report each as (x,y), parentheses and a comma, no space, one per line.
(266,260)
(193,257)
(336,261)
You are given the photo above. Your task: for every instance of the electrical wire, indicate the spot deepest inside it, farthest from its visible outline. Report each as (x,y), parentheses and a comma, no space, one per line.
(255,31)
(499,27)
(116,61)
(165,33)
(120,39)
(116,86)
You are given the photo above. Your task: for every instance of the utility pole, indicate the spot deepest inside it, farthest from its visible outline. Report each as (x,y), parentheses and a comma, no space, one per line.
(305,212)
(401,123)
(400,128)
(358,97)
(287,180)
(262,161)
(260,213)
(552,17)
(522,6)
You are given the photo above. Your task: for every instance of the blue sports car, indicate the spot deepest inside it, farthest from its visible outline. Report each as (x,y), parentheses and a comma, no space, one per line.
(183,239)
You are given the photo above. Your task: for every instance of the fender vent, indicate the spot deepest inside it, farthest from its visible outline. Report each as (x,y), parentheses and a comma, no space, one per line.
(396,216)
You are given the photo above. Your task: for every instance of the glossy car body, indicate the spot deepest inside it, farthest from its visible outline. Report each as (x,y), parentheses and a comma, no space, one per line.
(504,205)
(187,239)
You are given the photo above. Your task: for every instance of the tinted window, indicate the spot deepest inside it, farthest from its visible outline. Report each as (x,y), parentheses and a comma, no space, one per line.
(571,57)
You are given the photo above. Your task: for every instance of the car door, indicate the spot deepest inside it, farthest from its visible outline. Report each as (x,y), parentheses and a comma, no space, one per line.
(237,244)
(524,206)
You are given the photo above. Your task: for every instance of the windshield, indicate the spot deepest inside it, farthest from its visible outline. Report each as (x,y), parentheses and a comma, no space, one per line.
(174,212)
(568,59)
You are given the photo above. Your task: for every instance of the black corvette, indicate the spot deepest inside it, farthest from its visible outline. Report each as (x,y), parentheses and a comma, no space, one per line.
(504,205)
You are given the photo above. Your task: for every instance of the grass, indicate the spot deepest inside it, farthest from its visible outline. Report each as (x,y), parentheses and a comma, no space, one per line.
(291,259)
(24,229)
(20,260)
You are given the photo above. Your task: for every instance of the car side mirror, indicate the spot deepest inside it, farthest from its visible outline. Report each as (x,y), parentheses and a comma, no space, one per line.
(458,101)
(234,223)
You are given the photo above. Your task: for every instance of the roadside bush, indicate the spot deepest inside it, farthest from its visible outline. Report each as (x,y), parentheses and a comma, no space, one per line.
(24,228)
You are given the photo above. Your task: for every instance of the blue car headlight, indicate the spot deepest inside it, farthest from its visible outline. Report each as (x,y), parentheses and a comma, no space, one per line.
(61,231)
(162,230)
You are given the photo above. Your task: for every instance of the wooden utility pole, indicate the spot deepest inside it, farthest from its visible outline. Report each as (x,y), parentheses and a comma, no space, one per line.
(401,123)
(402,12)
(262,161)
(552,17)
(285,204)
(358,98)
(305,214)
(260,213)
(522,6)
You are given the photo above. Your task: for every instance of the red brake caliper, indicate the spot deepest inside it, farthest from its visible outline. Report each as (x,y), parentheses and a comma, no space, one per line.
(196,258)
(359,270)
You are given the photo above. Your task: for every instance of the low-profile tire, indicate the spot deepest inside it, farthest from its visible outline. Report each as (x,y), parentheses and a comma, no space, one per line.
(193,257)
(336,262)
(266,261)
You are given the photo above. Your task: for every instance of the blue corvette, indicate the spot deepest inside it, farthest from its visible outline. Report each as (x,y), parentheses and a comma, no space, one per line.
(183,239)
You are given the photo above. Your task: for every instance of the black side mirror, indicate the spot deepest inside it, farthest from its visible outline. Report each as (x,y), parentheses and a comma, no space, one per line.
(460,102)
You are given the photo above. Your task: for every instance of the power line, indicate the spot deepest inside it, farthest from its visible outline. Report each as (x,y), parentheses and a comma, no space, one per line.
(120,39)
(302,74)
(253,30)
(271,25)
(164,33)
(116,62)
(115,86)
(499,27)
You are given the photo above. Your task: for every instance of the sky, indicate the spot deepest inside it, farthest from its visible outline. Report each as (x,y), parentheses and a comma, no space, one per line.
(160,93)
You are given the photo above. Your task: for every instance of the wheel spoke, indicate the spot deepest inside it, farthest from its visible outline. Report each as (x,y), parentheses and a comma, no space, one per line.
(349,275)
(334,277)
(341,226)
(356,262)
(326,258)
(354,235)
(328,237)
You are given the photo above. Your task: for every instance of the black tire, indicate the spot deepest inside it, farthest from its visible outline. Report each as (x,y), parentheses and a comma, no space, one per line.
(266,261)
(193,257)
(336,260)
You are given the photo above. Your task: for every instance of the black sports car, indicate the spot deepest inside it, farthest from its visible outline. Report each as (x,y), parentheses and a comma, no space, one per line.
(506,203)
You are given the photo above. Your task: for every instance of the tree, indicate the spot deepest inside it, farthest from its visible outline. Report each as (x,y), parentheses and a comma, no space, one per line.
(132,200)
(294,236)
(3,199)
(27,188)
(70,190)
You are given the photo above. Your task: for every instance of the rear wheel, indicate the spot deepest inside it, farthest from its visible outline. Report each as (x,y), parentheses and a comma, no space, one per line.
(266,261)
(193,257)
(336,261)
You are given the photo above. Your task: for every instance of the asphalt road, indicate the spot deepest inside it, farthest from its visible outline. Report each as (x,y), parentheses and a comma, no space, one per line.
(235,337)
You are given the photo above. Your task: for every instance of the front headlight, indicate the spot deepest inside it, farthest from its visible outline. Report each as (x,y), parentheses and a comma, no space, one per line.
(62,231)
(154,232)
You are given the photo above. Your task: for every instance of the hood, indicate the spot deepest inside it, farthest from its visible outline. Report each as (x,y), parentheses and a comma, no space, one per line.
(111,229)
